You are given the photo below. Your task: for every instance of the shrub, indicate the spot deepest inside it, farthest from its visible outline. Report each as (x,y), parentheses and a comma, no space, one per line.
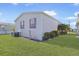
(63,32)
(51,34)
(46,36)
(54,34)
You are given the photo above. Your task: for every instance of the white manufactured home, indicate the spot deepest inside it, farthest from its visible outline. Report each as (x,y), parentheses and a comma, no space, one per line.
(77,25)
(34,24)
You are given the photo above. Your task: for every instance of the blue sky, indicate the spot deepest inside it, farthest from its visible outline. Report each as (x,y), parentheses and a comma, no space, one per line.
(63,12)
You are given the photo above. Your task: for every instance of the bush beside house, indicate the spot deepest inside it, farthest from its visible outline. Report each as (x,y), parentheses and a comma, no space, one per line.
(51,34)
(46,36)
(62,30)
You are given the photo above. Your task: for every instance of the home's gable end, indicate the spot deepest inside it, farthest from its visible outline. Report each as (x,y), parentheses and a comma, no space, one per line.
(52,18)
(38,13)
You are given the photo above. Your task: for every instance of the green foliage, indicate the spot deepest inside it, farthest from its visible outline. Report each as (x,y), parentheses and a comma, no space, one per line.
(63,28)
(46,36)
(55,33)
(51,34)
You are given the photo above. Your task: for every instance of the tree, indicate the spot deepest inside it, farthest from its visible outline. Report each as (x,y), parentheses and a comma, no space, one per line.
(63,28)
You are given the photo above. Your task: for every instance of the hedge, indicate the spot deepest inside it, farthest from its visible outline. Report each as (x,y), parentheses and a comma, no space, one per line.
(51,34)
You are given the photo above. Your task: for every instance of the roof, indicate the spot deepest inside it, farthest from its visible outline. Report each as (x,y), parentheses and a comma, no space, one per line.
(38,12)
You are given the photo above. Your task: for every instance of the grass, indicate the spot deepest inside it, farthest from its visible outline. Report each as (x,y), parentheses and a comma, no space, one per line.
(64,45)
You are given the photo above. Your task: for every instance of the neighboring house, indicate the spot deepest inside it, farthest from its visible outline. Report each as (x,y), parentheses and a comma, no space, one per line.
(77,25)
(5,28)
(35,24)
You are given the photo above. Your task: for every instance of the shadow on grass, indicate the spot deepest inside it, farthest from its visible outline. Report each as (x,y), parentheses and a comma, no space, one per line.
(69,41)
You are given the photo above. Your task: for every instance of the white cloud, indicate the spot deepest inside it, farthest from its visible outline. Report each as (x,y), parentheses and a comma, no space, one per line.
(73,23)
(6,21)
(1,13)
(28,4)
(76,13)
(52,13)
(25,4)
(15,4)
(71,17)
(76,4)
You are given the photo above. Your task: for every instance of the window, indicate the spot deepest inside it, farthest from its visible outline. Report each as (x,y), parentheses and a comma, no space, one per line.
(22,24)
(32,23)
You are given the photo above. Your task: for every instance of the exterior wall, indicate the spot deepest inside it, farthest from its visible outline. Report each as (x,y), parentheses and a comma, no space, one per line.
(78,30)
(49,24)
(44,24)
(35,33)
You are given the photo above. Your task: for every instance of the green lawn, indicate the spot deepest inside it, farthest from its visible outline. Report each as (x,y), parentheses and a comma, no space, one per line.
(18,46)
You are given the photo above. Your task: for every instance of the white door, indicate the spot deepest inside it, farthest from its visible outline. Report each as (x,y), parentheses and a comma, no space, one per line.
(32,34)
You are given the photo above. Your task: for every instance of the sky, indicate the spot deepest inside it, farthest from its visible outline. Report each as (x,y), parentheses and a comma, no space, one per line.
(64,12)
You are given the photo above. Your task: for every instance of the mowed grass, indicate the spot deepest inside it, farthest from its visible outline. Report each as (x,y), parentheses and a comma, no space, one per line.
(64,45)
